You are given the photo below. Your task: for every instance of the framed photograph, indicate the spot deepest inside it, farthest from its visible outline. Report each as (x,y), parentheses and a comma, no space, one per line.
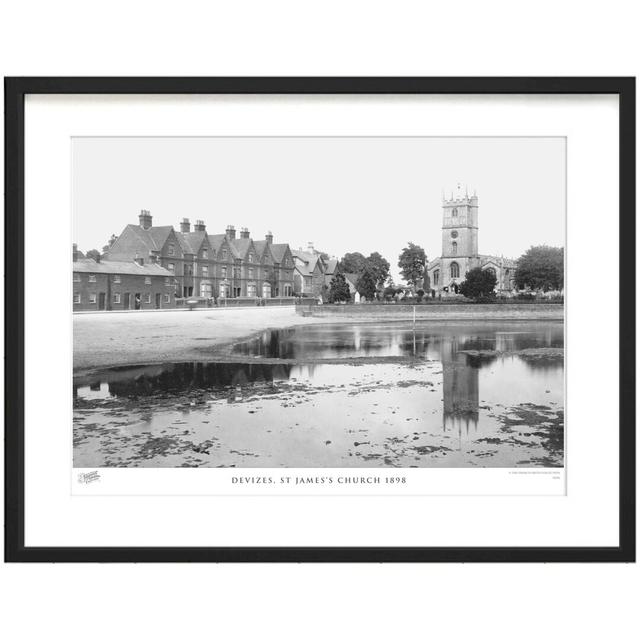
(320,319)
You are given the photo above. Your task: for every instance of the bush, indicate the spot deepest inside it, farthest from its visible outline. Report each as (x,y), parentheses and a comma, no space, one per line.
(478,285)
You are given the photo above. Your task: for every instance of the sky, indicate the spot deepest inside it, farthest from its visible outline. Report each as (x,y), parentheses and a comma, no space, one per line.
(343,194)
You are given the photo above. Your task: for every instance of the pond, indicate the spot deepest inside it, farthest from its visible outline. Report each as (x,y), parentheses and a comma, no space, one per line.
(342,395)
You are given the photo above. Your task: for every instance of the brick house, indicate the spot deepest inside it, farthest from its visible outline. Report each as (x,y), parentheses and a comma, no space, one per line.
(115,285)
(309,275)
(208,265)
(283,267)
(147,244)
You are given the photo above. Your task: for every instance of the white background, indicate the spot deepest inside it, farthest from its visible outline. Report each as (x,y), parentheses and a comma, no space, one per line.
(54,517)
(328,38)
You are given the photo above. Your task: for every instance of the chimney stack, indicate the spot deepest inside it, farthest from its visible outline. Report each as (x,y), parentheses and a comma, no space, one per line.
(145,219)
(310,247)
(231,232)
(185,225)
(199,226)
(269,237)
(75,252)
(244,232)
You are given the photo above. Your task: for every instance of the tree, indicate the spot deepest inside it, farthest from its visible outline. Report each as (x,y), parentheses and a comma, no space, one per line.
(378,267)
(478,283)
(366,284)
(339,289)
(108,246)
(94,254)
(412,262)
(352,263)
(541,268)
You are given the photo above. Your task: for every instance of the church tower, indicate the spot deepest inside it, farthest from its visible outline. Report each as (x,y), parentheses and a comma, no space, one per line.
(460,225)
(459,238)
(460,249)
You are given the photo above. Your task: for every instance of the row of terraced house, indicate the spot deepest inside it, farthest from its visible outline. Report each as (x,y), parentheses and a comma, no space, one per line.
(149,267)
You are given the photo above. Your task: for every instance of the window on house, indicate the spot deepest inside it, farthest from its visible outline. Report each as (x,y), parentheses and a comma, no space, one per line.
(492,271)
(147,280)
(116,298)
(454,212)
(172,250)
(455,270)
(224,254)
(250,272)
(92,298)
(76,298)
(250,257)
(166,298)
(223,271)
(117,279)
(436,277)
(147,298)
(205,254)
(205,271)
(76,277)
(167,280)
(171,267)
(454,248)
(92,277)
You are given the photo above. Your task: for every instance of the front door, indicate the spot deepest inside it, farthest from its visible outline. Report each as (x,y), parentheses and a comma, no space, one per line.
(158,300)
(127,300)
(101,301)
(137,298)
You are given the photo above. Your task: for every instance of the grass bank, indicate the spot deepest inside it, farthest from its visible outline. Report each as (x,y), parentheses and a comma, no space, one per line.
(390,312)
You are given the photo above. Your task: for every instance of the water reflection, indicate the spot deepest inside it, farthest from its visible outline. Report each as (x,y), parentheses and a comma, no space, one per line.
(176,378)
(400,339)
(463,352)
(454,395)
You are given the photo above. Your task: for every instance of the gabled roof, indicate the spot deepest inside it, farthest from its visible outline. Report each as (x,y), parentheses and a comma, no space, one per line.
(498,261)
(136,240)
(332,266)
(278,251)
(216,240)
(351,278)
(261,246)
(87,265)
(306,262)
(240,246)
(191,242)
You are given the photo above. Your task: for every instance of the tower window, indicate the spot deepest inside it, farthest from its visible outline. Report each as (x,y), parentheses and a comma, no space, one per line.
(436,277)
(455,270)
(454,212)
(454,248)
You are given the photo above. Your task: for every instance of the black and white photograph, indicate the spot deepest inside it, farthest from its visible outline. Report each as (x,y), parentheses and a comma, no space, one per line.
(318,302)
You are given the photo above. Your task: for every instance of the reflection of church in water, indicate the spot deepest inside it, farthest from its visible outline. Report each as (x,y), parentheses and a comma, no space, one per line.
(460,388)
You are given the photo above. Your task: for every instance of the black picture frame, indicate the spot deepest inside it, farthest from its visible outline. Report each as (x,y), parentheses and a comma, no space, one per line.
(15,91)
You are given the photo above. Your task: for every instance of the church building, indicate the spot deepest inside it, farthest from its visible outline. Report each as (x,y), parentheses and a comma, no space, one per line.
(460,249)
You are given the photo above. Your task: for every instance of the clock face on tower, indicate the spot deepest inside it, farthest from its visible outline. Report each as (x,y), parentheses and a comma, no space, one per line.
(454,234)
